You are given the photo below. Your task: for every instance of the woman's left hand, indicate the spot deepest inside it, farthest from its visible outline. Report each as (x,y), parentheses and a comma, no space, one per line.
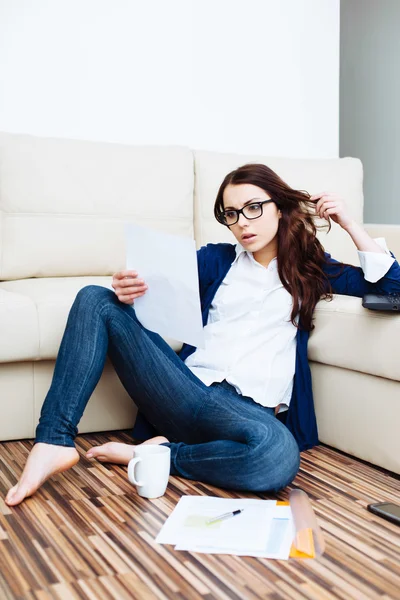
(331,206)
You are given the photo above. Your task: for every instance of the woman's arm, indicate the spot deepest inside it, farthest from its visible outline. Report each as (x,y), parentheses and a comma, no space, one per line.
(354,281)
(362,239)
(331,206)
(375,258)
(350,281)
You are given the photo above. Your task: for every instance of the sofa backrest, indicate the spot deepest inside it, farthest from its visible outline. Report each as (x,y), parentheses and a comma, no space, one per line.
(63,203)
(343,176)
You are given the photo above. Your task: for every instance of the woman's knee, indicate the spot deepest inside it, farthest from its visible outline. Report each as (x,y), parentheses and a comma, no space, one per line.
(95,302)
(273,462)
(94,296)
(289,465)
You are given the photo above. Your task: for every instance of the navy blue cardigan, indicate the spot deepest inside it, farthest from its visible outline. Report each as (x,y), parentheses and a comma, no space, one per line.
(214,262)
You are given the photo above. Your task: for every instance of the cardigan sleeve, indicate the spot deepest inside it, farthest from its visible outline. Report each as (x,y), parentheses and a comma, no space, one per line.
(351,281)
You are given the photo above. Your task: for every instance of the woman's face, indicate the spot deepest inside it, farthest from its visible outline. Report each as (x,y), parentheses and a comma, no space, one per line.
(253,234)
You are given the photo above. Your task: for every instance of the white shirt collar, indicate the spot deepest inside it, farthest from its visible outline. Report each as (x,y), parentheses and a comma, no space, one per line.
(240,250)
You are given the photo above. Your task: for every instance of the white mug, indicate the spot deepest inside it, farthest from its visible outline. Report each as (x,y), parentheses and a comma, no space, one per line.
(149,470)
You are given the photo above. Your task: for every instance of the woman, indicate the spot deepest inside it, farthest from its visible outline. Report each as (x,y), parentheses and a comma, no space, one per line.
(220,409)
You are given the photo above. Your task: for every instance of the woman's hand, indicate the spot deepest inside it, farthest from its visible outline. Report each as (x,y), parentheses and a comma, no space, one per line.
(127,286)
(331,206)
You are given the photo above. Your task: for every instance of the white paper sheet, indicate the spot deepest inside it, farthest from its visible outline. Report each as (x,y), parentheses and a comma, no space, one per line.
(263,529)
(168,265)
(277,544)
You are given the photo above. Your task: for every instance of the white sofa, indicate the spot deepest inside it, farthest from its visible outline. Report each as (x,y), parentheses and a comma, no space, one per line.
(63,204)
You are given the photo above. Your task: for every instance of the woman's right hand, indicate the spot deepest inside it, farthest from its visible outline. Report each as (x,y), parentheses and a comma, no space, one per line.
(127,286)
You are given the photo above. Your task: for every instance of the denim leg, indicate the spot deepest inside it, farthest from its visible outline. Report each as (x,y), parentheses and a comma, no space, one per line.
(244,446)
(165,390)
(223,438)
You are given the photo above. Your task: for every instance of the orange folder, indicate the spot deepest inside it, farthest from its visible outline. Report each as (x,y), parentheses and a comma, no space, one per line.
(308,541)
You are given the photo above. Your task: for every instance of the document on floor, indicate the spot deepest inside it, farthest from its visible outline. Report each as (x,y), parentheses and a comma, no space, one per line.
(168,265)
(262,529)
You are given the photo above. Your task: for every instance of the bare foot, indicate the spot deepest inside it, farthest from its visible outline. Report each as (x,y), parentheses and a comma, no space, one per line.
(116,452)
(43,461)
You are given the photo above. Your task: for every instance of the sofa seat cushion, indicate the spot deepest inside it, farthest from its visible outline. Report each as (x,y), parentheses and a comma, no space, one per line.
(19,338)
(352,337)
(34,313)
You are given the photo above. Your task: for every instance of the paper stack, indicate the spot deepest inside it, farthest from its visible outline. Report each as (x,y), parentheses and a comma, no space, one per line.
(263,529)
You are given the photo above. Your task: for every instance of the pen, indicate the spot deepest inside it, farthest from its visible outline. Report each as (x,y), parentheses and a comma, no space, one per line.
(227,515)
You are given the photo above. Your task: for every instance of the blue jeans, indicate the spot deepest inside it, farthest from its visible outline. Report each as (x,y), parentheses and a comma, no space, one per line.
(216,435)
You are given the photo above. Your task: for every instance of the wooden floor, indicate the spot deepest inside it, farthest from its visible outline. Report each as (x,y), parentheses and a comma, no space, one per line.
(87,534)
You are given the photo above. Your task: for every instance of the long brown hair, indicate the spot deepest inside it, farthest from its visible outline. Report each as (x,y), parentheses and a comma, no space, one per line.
(300,254)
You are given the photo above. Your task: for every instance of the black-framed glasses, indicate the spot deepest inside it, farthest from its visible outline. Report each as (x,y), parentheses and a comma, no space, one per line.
(250,211)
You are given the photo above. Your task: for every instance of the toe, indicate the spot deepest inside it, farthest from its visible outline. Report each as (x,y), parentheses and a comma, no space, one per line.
(16,495)
(94,452)
(10,495)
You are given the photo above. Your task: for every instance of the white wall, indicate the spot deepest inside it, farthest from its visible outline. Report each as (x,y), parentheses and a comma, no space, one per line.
(250,76)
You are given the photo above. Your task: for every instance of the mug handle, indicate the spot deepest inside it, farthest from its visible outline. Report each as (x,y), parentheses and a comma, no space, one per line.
(131,471)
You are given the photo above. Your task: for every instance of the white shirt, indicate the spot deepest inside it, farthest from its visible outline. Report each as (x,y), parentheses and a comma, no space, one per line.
(249,338)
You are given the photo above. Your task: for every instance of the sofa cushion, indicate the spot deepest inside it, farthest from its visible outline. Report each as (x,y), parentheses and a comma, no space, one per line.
(343,176)
(63,203)
(34,314)
(49,301)
(350,336)
(19,327)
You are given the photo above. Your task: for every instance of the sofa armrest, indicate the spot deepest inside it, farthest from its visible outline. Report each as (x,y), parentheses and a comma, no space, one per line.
(390,232)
